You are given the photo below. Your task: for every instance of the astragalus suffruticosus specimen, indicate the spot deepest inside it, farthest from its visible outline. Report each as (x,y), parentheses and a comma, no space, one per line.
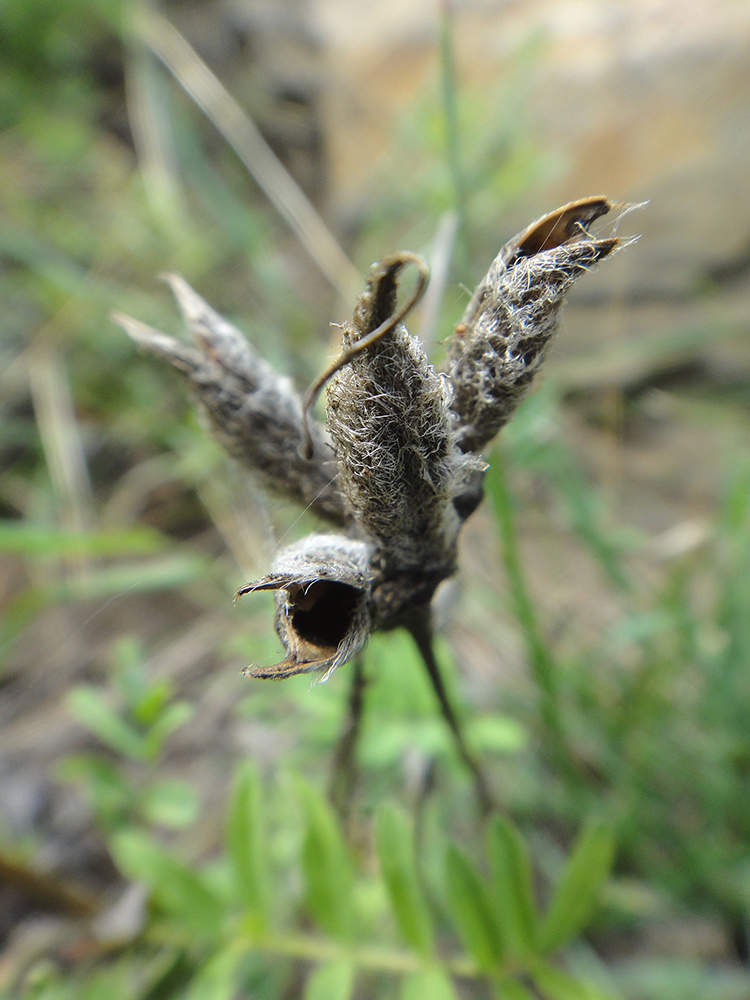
(397,469)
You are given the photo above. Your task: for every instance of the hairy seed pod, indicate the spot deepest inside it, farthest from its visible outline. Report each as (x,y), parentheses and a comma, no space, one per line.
(254,412)
(509,322)
(323,604)
(389,418)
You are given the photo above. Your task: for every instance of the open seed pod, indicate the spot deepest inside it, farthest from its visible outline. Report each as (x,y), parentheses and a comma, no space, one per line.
(323,590)
(508,325)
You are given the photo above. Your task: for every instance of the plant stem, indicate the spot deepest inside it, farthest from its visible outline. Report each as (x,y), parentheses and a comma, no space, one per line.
(419,626)
(344,769)
(309,948)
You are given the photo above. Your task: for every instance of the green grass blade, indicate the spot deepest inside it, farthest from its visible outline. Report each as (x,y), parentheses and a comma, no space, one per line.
(27,538)
(540,659)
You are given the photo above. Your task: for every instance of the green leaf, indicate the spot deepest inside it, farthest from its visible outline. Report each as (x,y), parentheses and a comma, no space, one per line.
(30,539)
(217,980)
(326,866)
(90,709)
(175,887)
(331,981)
(244,840)
(169,720)
(471,911)
(496,734)
(173,804)
(148,704)
(395,845)
(427,984)
(576,894)
(558,985)
(512,887)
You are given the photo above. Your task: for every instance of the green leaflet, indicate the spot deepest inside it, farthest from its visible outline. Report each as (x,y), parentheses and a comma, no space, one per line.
(331,981)
(175,887)
(91,709)
(512,887)
(511,989)
(326,866)
(471,911)
(395,845)
(427,984)
(217,980)
(558,985)
(576,894)
(244,841)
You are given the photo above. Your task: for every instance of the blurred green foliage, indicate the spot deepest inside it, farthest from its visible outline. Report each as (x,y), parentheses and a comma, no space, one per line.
(639,738)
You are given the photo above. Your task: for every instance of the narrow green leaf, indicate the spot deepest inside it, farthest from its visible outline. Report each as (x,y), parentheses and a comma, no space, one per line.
(326,866)
(30,539)
(558,985)
(471,911)
(576,894)
(427,984)
(331,981)
(244,839)
(90,709)
(512,887)
(175,887)
(163,573)
(395,845)
(217,980)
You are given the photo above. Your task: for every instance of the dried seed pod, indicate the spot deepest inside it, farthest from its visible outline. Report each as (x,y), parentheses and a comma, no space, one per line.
(509,322)
(323,604)
(254,412)
(390,421)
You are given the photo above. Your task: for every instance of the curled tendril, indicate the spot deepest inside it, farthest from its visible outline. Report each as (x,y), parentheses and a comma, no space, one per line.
(399,261)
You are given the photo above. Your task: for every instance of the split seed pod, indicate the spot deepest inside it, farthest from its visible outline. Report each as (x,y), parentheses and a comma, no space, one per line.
(254,412)
(503,337)
(390,421)
(323,604)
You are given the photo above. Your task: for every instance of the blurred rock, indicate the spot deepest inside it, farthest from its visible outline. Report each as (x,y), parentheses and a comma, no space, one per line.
(645,100)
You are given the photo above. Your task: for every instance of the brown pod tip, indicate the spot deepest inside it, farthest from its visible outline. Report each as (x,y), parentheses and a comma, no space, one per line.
(570,222)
